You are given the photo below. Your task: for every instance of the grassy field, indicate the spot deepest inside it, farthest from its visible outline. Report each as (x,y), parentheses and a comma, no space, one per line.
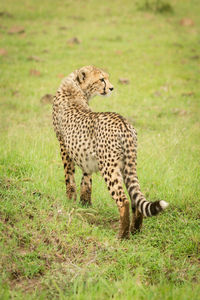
(51,248)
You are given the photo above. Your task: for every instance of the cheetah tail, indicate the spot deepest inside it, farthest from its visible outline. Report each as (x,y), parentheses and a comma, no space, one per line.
(138,200)
(147,208)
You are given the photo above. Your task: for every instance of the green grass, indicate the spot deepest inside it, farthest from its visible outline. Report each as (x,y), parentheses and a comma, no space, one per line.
(51,248)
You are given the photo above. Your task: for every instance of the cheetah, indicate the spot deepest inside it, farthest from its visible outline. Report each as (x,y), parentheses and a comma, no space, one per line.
(99,141)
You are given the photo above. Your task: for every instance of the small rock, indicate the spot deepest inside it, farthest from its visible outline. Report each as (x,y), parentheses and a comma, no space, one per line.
(187,22)
(16,30)
(157,94)
(15,93)
(195,57)
(164,88)
(3,52)
(34,72)
(124,80)
(5,14)
(74,41)
(178,45)
(61,76)
(118,52)
(63,27)
(48,98)
(188,94)
(34,58)
(180,112)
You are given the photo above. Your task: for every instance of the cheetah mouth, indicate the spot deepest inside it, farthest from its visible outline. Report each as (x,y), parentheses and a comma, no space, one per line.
(104,93)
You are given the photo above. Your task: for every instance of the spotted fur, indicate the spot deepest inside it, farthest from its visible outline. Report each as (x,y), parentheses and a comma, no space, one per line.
(103,142)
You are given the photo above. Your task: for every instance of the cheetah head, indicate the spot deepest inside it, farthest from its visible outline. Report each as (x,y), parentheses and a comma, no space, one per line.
(94,81)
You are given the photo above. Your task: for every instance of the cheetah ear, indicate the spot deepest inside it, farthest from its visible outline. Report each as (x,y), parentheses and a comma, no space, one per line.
(81,75)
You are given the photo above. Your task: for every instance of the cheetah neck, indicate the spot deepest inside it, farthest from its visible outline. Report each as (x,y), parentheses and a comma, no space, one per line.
(72,92)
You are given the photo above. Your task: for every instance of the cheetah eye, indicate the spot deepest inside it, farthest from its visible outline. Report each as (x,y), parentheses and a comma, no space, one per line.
(102,79)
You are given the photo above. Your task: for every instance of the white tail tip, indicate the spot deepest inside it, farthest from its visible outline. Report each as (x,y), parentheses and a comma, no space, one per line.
(163,204)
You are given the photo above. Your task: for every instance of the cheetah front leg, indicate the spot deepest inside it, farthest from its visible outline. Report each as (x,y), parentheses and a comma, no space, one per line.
(113,179)
(69,170)
(86,189)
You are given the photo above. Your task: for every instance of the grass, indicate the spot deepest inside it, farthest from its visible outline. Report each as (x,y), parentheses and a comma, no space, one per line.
(51,248)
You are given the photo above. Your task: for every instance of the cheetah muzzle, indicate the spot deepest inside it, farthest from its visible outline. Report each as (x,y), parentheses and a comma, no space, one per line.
(103,142)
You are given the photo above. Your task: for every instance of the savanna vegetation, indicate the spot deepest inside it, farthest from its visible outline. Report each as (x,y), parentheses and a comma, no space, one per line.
(51,248)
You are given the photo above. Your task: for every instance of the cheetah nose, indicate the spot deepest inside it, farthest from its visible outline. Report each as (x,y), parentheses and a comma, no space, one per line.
(111,89)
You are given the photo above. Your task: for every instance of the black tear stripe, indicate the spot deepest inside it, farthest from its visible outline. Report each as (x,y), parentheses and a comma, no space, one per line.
(104,89)
(78,79)
(83,73)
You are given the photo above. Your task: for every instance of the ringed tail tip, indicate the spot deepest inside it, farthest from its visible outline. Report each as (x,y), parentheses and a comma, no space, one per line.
(163,204)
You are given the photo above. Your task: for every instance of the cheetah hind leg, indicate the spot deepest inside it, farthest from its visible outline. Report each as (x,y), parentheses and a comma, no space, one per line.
(137,219)
(69,170)
(131,180)
(86,190)
(115,186)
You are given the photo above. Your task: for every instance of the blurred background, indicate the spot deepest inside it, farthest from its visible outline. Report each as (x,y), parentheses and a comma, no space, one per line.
(50,247)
